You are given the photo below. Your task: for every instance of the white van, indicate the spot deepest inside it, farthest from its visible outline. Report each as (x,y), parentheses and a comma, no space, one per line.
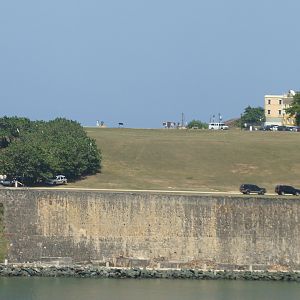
(217,126)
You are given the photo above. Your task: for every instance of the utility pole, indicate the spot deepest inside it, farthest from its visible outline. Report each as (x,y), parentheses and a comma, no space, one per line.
(182,120)
(241,122)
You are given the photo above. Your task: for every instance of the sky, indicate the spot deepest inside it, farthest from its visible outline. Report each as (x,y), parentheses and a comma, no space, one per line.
(145,62)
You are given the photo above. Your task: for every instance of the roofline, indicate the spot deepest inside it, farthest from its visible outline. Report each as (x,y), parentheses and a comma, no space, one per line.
(278,96)
(270,96)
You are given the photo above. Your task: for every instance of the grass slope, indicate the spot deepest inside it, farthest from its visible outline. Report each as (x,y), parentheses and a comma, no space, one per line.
(194,159)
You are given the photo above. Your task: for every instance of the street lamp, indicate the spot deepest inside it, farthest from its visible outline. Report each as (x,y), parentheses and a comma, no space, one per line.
(260,122)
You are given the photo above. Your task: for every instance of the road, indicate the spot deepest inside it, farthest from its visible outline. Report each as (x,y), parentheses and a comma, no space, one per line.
(136,191)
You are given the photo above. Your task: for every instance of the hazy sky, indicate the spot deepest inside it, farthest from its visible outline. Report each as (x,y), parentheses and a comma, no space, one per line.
(144,62)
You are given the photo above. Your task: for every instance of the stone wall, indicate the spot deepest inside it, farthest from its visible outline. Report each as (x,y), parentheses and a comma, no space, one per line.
(150,229)
(2,237)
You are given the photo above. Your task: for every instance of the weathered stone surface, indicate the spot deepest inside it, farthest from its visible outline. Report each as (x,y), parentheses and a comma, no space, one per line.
(152,230)
(88,271)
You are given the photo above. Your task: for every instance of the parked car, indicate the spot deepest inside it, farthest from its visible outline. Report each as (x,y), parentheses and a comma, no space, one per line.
(217,126)
(286,189)
(268,127)
(7,182)
(252,188)
(274,128)
(283,128)
(59,179)
(296,128)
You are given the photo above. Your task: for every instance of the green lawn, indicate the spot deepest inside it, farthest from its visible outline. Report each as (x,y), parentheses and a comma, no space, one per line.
(195,159)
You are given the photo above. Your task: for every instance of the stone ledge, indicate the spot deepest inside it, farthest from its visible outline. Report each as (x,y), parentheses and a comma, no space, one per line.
(90,271)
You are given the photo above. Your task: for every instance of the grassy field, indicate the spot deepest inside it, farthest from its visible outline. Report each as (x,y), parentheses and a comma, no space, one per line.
(194,159)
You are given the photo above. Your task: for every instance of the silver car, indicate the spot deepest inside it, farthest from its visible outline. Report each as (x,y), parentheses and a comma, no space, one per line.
(59,179)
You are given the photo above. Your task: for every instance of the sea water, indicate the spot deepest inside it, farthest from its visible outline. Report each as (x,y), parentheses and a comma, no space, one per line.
(143,289)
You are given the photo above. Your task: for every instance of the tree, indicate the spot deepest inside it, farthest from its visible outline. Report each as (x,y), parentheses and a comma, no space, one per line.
(294,109)
(11,128)
(26,160)
(49,148)
(197,124)
(253,116)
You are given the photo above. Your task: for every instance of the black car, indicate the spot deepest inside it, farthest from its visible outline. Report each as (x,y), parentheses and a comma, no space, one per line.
(283,128)
(252,188)
(286,189)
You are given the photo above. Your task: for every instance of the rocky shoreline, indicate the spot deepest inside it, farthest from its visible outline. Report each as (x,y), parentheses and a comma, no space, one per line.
(90,271)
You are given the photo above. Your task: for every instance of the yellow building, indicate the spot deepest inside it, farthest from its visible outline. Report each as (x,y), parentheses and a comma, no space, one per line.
(275,106)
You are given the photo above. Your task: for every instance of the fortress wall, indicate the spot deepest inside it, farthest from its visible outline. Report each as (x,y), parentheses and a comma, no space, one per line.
(151,228)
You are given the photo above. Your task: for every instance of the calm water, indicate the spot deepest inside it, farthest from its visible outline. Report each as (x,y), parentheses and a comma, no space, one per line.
(67,289)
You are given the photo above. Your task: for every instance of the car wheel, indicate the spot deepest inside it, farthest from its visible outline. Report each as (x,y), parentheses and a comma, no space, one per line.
(282,193)
(297,194)
(247,192)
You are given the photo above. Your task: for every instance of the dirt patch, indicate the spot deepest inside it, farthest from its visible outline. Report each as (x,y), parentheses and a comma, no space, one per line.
(244,169)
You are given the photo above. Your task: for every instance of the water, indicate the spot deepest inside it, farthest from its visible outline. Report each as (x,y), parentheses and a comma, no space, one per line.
(129,289)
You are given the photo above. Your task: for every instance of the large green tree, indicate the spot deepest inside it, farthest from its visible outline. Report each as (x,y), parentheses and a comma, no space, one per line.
(253,116)
(197,124)
(11,128)
(49,148)
(294,109)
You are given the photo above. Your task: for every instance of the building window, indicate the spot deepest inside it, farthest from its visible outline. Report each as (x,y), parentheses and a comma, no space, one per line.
(280,101)
(279,111)
(269,112)
(269,101)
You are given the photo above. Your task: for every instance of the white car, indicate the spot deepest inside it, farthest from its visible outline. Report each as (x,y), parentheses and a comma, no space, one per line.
(59,179)
(217,126)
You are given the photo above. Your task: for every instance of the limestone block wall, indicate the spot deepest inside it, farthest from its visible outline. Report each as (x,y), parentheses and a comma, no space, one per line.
(152,228)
